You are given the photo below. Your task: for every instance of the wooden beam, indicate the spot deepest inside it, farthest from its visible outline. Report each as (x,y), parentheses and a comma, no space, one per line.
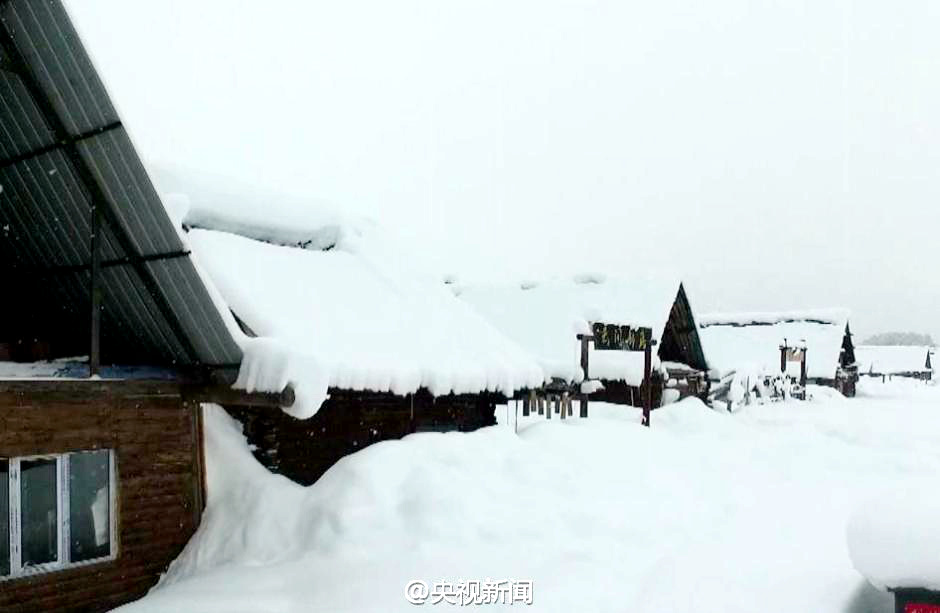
(583,398)
(94,353)
(220,394)
(648,383)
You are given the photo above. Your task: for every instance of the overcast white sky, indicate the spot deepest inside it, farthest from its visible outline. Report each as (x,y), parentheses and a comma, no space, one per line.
(773,154)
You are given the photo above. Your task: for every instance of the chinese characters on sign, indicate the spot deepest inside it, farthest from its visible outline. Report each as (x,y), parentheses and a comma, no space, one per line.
(621,338)
(467,593)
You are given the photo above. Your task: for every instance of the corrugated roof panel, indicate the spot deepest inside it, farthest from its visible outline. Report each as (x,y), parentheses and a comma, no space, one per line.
(63,150)
(127,187)
(31,209)
(126,297)
(188,296)
(22,128)
(45,37)
(43,203)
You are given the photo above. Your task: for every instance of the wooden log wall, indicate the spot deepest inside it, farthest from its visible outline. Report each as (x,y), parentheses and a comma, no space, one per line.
(348,421)
(618,392)
(157,442)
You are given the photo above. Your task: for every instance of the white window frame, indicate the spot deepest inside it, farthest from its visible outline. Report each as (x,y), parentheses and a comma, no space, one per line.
(63,534)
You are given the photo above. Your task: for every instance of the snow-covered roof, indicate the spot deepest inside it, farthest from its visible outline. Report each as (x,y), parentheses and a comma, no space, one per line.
(348,313)
(889,360)
(201,200)
(893,539)
(751,341)
(546,317)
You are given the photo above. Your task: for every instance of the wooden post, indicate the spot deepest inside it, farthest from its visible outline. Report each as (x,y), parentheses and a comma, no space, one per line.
(540,402)
(783,358)
(561,400)
(94,354)
(526,407)
(583,398)
(648,382)
(803,371)
(548,407)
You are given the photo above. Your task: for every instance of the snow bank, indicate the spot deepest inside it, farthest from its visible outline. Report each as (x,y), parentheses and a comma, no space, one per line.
(335,319)
(546,317)
(704,511)
(750,342)
(894,539)
(251,516)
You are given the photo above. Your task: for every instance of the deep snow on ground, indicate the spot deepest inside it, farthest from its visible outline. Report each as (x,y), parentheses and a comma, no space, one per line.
(705,511)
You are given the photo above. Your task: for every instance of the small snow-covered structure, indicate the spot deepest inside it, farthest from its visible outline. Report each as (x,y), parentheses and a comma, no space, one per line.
(546,318)
(751,343)
(893,542)
(372,348)
(895,361)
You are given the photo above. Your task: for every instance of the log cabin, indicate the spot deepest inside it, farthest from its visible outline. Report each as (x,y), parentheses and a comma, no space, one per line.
(373,349)
(101,479)
(547,318)
(752,342)
(910,362)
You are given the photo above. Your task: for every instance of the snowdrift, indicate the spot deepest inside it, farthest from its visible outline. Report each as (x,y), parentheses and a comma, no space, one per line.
(705,511)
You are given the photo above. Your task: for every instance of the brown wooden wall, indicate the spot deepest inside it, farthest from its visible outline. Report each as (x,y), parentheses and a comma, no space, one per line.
(618,392)
(159,480)
(348,421)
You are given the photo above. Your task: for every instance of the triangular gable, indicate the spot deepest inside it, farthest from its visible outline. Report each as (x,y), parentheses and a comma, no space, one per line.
(66,166)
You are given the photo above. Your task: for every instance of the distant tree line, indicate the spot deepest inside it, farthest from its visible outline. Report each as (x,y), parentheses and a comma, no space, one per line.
(900,338)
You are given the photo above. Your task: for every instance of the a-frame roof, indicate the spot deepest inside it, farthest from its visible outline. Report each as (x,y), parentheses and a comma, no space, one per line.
(64,153)
(546,317)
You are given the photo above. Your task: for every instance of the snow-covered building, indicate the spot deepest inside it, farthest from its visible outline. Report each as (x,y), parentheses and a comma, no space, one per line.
(372,348)
(102,477)
(546,318)
(895,361)
(752,342)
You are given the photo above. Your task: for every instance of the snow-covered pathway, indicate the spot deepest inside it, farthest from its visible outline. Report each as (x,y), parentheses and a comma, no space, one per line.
(704,512)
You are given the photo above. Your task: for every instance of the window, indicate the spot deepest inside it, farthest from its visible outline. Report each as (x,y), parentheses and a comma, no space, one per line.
(56,511)
(39,511)
(89,505)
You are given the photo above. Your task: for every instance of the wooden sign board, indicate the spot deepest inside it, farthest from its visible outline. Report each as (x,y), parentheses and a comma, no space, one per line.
(796,354)
(611,337)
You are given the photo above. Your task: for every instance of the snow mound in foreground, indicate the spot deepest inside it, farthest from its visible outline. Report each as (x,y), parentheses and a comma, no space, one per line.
(705,511)
(894,540)
(431,493)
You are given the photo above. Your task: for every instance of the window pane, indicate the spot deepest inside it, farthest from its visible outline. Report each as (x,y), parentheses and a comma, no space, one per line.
(90,501)
(39,508)
(4,517)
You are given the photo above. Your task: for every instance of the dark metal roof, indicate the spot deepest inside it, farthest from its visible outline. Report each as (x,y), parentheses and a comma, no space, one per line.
(63,150)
